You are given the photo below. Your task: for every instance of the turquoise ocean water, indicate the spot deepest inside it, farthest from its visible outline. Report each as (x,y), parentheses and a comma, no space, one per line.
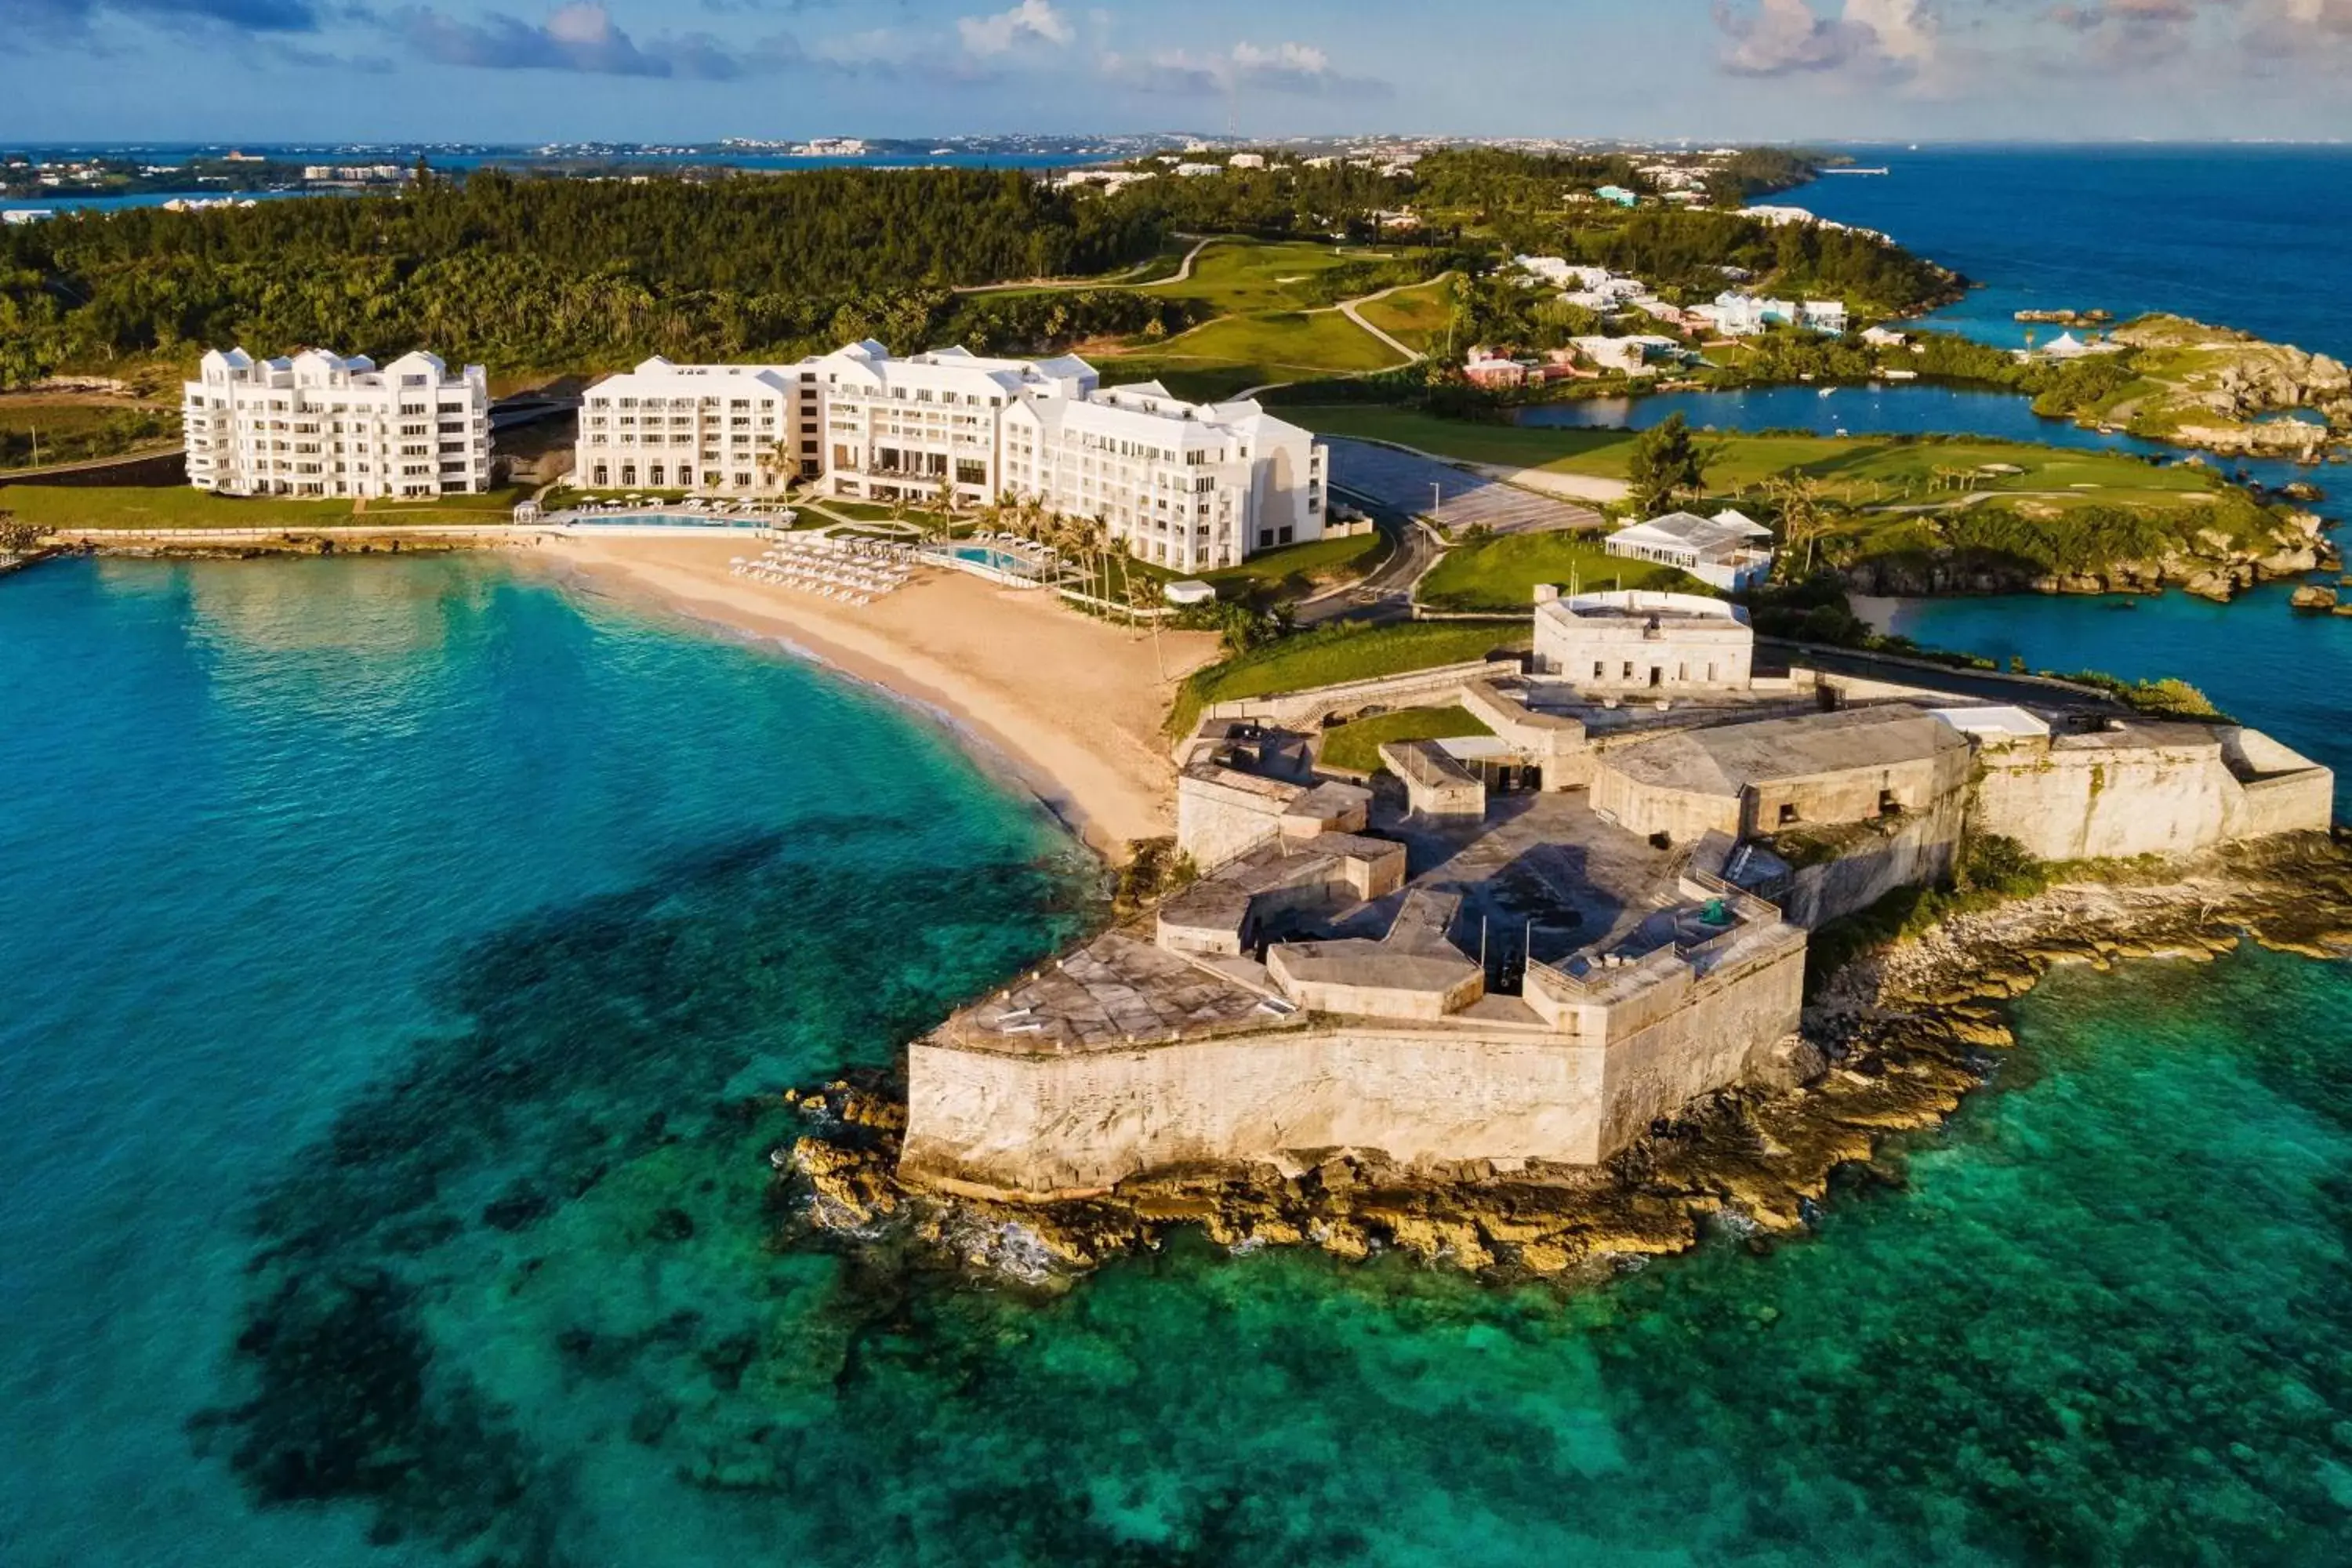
(395,949)
(395,956)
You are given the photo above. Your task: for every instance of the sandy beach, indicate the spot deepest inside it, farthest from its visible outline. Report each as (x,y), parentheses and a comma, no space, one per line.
(1072,704)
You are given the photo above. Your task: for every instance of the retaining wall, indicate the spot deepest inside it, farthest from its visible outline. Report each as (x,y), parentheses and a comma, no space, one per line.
(1039,1126)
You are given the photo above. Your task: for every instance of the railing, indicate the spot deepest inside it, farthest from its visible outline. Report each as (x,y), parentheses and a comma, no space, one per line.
(1745,904)
(1602,977)
(1689,952)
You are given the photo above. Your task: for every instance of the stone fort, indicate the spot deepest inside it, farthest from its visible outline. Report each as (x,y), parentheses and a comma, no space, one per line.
(1528,945)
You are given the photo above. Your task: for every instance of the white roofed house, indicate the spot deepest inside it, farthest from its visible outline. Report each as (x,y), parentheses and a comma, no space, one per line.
(1632,356)
(2067,347)
(317,424)
(1823,316)
(1729,551)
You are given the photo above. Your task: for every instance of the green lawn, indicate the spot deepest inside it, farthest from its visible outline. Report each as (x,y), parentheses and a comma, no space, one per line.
(1326,658)
(1159,265)
(1501,575)
(1242,352)
(1860,470)
(1505,445)
(1235,277)
(1297,570)
(1357,747)
(1197,380)
(1414,316)
(182,506)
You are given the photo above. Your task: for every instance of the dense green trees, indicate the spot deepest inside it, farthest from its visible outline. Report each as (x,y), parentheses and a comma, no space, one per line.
(547,273)
(1667,463)
(576,274)
(1687,251)
(1279,202)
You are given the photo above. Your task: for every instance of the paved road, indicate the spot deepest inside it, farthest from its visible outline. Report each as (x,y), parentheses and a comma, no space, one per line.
(1455,498)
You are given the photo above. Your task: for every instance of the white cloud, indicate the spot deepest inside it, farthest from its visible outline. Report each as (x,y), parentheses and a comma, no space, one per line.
(1787,37)
(1030,22)
(1291,68)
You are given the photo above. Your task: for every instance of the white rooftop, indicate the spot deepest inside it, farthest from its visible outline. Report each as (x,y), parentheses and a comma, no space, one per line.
(1688,531)
(2004,721)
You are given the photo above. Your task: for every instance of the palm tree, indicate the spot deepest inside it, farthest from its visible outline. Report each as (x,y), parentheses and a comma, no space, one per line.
(1139,598)
(1097,529)
(1799,498)
(773,462)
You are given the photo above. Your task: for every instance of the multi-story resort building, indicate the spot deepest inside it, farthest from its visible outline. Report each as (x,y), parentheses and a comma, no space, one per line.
(727,429)
(1190,486)
(1186,486)
(320,425)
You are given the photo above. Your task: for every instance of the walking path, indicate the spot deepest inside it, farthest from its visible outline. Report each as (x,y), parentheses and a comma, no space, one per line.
(86,465)
(1183,274)
(1348,309)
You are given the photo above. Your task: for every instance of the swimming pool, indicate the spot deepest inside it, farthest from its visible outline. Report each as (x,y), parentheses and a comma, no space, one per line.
(998,560)
(987,561)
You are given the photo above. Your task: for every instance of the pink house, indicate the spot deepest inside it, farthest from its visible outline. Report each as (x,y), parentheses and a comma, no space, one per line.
(1485,369)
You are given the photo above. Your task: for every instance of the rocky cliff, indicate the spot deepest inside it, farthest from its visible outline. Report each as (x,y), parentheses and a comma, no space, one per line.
(1890,1042)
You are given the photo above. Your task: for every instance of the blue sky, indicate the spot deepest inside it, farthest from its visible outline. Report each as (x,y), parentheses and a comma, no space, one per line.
(693,69)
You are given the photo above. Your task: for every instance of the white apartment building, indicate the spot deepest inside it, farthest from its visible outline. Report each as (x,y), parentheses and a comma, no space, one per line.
(896,429)
(723,429)
(1190,486)
(320,425)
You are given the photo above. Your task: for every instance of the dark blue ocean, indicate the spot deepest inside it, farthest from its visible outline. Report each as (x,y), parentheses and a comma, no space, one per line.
(400,958)
(2251,237)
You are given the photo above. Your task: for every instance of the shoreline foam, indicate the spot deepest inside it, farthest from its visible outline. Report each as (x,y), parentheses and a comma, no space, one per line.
(1070,705)
(1892,1043)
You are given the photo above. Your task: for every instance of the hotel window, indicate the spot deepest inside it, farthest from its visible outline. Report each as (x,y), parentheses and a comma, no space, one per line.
(603,476)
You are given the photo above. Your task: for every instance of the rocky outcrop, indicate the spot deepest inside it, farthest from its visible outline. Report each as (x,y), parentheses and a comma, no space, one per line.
(1891,1042)
(2209,563)
(2218,386)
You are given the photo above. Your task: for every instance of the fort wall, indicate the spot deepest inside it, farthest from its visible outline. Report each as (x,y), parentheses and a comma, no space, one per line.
(2174,797)
(1732,1019)
(1041,1126)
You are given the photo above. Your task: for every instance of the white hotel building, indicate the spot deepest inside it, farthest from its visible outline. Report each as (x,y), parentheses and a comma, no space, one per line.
(725,429)
(320,424)
(1192,487)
